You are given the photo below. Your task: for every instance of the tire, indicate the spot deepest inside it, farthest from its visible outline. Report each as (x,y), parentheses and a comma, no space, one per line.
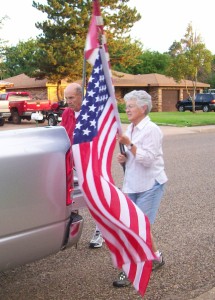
(16,118)
(52,121)
(181,108)
(2,122)
(205,108)
(41,121)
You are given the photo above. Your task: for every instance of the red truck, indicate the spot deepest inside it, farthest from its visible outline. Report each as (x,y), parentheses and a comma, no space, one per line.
(17,106)
(24,108)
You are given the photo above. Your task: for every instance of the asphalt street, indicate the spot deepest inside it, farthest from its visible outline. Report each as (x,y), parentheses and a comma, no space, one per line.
(184,231)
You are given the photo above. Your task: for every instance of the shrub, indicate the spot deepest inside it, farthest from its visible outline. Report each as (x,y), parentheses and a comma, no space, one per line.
(121,107)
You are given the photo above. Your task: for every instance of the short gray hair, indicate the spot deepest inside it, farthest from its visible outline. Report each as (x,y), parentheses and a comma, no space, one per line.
(142,98)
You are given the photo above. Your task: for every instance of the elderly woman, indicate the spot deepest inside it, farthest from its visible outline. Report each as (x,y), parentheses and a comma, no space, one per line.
(145,176)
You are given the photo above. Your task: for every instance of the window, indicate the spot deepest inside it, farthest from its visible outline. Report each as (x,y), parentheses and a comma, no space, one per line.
(2,96)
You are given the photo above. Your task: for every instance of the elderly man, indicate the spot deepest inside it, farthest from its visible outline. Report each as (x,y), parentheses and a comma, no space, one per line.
(73,96)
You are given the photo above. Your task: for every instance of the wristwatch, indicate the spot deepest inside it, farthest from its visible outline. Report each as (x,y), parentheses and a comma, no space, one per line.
(130,146)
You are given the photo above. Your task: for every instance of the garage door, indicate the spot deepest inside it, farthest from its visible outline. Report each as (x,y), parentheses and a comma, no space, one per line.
(169,99)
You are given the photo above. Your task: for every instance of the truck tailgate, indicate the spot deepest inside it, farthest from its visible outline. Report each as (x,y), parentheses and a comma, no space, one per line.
(33,211)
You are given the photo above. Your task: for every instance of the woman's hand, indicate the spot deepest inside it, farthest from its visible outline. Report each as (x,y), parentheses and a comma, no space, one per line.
(123,139)
(121,158)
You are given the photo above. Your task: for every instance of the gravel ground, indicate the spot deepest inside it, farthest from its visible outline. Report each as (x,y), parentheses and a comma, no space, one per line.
(184,230)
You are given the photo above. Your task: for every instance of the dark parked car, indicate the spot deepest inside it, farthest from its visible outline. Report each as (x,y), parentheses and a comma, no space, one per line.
(204,101)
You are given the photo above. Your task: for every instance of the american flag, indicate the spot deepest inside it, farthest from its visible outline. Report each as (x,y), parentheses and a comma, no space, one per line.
(123,225)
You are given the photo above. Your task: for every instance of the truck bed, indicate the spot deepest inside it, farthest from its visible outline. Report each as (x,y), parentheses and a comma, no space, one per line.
(34,216)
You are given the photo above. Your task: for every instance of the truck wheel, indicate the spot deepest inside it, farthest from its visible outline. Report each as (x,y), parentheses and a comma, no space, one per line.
(52,121)
(41,121)
(2,122)
(16,118)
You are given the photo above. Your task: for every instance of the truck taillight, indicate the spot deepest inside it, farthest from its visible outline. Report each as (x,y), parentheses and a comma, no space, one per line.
(69,178)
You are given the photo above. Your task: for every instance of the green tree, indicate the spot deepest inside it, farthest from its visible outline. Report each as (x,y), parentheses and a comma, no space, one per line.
(18,59)
(61,43)
(189,59)
(119,61)
(152,62)
(2,45)
(211,77)
(2,19)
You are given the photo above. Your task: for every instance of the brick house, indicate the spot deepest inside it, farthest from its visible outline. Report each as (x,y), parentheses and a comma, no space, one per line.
(4,84)
(40,89)
(165,91)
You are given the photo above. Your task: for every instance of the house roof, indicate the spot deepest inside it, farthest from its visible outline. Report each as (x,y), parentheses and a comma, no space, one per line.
(154,79)
(119,79)
(24,81)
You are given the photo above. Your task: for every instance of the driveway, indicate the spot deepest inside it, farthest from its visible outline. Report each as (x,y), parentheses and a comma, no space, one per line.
(184,231)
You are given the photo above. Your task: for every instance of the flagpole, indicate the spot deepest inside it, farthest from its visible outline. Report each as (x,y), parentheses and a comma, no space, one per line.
(83,76)
(110,87)
(112,94)
(99,41)
(122,151)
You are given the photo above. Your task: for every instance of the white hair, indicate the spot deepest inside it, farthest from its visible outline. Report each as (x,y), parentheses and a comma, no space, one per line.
(141,97)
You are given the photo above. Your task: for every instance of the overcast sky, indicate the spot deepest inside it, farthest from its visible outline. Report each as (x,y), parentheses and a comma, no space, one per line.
(162,22)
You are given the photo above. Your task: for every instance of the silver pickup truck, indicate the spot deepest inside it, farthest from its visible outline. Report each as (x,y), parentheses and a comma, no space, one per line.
(38,211)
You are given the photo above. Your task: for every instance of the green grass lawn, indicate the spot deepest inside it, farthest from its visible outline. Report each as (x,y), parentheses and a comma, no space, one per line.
(180,119)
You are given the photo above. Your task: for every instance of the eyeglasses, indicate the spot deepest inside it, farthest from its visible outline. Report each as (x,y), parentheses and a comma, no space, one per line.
(130,106)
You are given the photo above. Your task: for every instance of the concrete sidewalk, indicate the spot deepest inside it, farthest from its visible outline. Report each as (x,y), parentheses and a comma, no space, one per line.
(172,130)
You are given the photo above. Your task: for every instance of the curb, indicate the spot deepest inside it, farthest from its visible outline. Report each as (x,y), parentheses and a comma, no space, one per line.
(172,130)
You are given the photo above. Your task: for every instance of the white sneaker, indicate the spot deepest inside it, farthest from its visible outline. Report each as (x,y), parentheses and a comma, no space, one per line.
(156,264)
(97,240)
